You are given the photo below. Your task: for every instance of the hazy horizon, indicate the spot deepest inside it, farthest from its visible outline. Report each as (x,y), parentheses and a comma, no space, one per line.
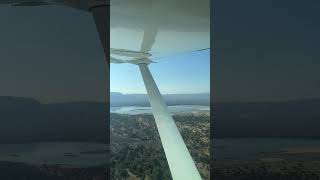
(173,94)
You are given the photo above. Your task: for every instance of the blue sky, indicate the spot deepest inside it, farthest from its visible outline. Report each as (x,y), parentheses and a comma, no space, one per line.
(185,73)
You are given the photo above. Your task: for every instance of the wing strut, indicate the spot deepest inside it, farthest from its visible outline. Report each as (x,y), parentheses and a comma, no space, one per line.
(101,16)
(180,162)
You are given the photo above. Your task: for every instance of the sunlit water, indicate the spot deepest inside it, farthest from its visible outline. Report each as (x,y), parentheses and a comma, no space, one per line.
(69,153)
(259,148)
(134,110)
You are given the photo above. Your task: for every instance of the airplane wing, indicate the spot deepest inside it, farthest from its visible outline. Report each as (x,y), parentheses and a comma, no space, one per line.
(179,26)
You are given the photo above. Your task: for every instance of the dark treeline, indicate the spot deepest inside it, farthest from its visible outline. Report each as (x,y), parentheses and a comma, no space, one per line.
(26,120)
(15,170)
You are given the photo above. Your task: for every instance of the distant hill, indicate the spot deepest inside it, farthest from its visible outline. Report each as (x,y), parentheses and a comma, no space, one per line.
(119,99)
(298,118)
(27,120)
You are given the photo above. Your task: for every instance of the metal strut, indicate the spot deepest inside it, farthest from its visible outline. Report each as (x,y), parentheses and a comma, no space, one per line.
(181,164)
(101,16)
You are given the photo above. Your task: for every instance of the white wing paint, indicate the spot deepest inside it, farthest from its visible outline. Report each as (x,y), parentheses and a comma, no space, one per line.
(180,162)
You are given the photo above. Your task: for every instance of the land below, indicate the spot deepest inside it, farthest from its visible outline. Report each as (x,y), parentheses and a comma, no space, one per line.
(268,169)
(136,150)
